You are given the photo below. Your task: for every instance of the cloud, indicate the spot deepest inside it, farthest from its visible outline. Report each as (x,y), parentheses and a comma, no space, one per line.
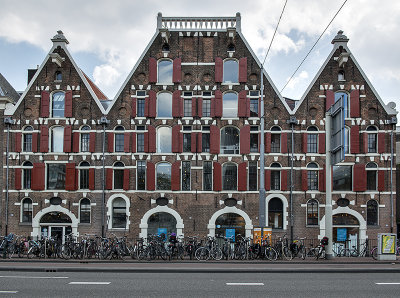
(296,80)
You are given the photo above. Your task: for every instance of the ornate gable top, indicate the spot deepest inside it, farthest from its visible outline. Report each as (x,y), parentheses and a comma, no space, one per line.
(59,37)
(340,37)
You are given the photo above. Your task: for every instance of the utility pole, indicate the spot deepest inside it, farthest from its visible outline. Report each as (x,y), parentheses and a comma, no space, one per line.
(8,121)
(328,199)
(104,122)
(261,211)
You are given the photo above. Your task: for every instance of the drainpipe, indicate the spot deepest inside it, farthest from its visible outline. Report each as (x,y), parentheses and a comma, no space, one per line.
(104,122)
(8,121)
(391,181)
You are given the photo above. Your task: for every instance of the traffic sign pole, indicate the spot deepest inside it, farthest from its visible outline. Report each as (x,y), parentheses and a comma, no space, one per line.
(328,175)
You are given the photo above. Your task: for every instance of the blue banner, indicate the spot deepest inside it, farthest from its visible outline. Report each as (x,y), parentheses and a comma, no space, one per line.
(162,231)
(230,233)
(341,234)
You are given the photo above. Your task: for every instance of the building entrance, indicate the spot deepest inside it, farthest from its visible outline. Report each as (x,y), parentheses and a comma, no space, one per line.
(161,222)
(55,225)
(230,225)
(345,231)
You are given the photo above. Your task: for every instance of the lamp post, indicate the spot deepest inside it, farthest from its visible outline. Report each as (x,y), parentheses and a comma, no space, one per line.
(104,122)
(261,211)
(7,121)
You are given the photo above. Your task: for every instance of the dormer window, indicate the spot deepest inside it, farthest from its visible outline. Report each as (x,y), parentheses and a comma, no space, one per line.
(58,76)
(341,75)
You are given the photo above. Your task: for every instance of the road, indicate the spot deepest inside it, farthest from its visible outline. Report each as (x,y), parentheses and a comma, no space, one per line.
(89,284)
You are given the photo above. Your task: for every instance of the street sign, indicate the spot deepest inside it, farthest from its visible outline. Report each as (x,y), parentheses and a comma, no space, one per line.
(338,130)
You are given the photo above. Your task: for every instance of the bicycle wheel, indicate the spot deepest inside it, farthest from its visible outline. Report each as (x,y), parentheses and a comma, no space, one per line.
(302,252)
(270,254)
(216,253)
(374,253)
(33,252)
(287,253)
(202,254)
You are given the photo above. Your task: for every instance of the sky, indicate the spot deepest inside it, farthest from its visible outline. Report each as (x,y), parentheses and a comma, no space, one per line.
(107,37)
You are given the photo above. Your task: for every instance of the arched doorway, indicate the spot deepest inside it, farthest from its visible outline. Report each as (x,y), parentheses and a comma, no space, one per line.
(345,230)
(161,223)
(56,225)
(230,225)
(248,224)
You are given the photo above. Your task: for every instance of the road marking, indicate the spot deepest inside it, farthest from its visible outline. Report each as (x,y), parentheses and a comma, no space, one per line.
(35,277)
(387,283)
(89,283)
(8,292)
(244,283)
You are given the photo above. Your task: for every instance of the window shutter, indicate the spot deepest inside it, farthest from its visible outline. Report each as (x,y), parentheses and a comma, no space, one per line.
(18,180)
(151,139)
(359,177)
(284,146)
(355,139)
(152,104)
(243,70)
(127,142)
(381,142)
(214,139)
(245,139)
(152,70)
(176,70)
(35,142)
(355,103)
(67,138)
(321,143)
(267,141)
(92,142)
(218,70)
(200,107)
(176,139)
(194,107)
(45,104)
(304,143)
(133,142)
(321,179)
(44,139)
(70,176)
(126,180)
(150,176)
(217,104)
(68,104)
(242,107)
(109,178)
(38,173)
(217,179)
(365,140)
(381,180)
(18,142)
(267,179)
(247,107)
(133,108)
(176,104)
(242,176)
(199,142)
(193,141)
(330,99)
(110,142)
(304,182)
(175,177)
(75,142)
(91,179)
(284,180)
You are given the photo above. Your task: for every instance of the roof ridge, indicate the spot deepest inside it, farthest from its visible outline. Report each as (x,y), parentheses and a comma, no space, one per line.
(100,95)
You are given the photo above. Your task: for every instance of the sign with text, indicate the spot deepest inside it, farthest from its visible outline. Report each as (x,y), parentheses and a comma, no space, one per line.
(341,234)
(388,243)
(230,233)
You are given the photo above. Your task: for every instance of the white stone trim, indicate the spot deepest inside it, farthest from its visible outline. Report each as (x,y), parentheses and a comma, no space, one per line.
(159,209)
(109,210)
(285,208)
(248,226)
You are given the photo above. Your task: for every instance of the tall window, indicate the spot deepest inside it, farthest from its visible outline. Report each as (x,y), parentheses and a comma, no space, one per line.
(230,105)
(119,217)
(231,71)
(58,104)
(312,140)
(140,138)
(253,175)
(164,136)
(229,176)
(27,139)
(372,139)
(254,139)
(207,175)
(187,103)
(85,138)
(27,174)
(141,175)
(164,105)
(26,210)
(230,140)
(275,176)
(372,213)
(342,178)
(140,103)
(371,176)
(254,98)
(57,139)
(206,108)
(163,176)
(275,139)
(205,139)
(187,138)
(344,97)
(341,75)
(275,213)
(119,139)
(312,212)
(55,176)
(84,175)
(186,175)
(164,72)
(84,211)
(312,176)
(118,175)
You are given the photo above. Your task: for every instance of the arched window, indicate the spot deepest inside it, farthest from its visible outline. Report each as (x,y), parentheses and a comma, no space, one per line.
(57,105)
(84,175)
(371,169)
(231,71)
(84,211)
(230,140)
(85,138)
(231,47)
(275,176)
(312,176)
(275,139)
(164,139)
(372,139)
(275,213)
(119,216)
(27,139)
(312,212)
(164,105)
(164,72)
(229,176)
(312,139)
(57,139)
(165,47)
(341,75)
(118,175)
(119,139)
(372,213)
(27,175)
(58,76)
(163,176)
(27,209)
(230,105)
(344,96)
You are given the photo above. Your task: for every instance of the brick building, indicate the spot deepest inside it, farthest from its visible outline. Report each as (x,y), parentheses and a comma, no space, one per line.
(181,144)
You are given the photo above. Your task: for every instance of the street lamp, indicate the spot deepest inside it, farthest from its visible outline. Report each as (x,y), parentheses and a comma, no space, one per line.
(103,121)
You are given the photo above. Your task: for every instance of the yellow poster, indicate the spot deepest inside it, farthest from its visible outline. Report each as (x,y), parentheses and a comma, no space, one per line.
(388,244)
